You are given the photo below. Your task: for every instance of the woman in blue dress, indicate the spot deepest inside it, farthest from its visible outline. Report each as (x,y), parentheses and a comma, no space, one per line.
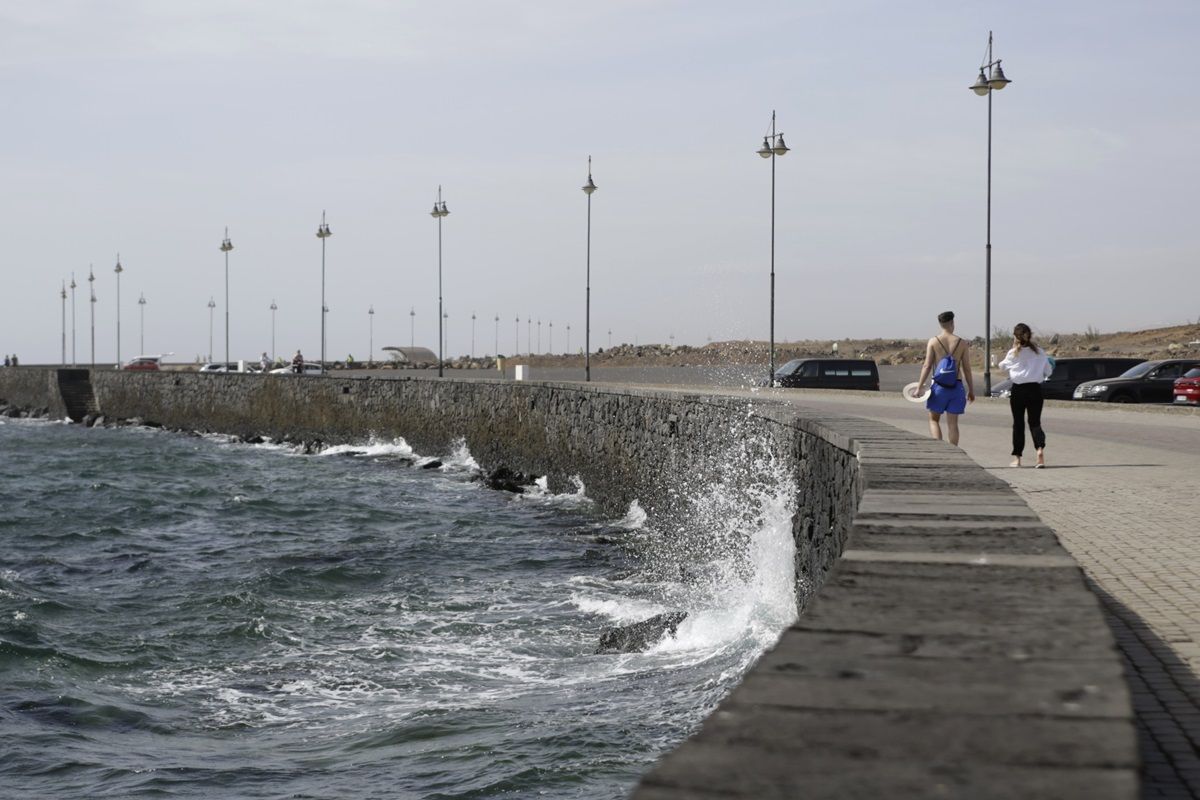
(952,386)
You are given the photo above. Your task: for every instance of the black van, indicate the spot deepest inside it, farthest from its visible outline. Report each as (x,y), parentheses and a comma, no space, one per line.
(1070,372)
(829,373)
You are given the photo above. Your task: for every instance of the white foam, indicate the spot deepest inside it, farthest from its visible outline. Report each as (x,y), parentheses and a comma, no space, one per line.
(617,608)
(374,447)
(540,492)
(634,518)
(460,459)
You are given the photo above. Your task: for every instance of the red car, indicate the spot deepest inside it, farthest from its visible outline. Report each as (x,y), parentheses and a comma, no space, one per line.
(1187,388)
(142,363)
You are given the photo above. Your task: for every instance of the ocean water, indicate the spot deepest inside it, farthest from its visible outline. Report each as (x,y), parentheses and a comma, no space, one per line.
(190,617)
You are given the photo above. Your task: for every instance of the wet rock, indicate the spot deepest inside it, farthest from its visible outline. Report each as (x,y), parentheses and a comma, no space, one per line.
(431,464)
(640,635)
(312,447)
(255,440)
(508,480)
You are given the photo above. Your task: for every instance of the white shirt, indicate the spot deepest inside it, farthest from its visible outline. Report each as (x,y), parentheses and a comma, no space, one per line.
(1027,365)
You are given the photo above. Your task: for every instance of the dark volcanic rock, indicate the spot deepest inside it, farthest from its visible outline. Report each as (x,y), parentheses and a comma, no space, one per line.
(640,635)
(508,480)
(431,464)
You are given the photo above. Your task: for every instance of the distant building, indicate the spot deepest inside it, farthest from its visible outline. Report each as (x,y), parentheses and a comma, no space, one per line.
(411,356)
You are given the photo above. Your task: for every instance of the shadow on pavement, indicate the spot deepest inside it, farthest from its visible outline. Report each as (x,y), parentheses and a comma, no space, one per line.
(1166,702)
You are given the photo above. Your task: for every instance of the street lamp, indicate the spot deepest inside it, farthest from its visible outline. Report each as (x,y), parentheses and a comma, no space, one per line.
(142,323)
(63,294)
(539,337)
(472,335)
(446,329)
(439,213)
(274,308)
(496,352)
(92,302)
(772,146)
(118,269)
(517,335)
(588,188)
(568,338)
(211,306)
(984,85)
(412,326)
(323,233)
(226,246)
(529,335)
(73,284)
(371,348)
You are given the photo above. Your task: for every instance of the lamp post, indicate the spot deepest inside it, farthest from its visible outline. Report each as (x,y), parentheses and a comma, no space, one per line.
(439,213)
(539,337)
(550,346)
(496,352)
(371,345)
(568,338)
(772,146)
(323,233)
(517,335)
(610,338)
(446,333)
(63,294)
(412,326)
(472,335)
(588,188)
(142,323)
(73,284)
(118,269)
(274,308)
(211,305)
(92,303)
(984,85)
(226,246)
(529,335)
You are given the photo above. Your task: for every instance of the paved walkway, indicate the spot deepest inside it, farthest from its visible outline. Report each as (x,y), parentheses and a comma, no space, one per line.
(1122,492)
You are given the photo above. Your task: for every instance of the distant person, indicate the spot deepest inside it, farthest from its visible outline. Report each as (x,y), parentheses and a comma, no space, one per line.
(948,361)
(264,363)
(15,363)
(298,363)
(1027,365)
(7,360)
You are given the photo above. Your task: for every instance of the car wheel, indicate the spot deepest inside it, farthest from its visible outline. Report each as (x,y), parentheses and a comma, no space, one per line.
(1121,398)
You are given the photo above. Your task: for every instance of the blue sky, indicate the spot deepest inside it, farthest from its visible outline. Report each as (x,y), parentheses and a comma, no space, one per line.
(147,127)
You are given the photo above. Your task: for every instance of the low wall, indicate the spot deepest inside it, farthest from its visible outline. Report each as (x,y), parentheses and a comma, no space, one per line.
(953,648)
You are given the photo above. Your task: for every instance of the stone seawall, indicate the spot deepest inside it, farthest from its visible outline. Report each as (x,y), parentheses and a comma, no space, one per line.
(953,648)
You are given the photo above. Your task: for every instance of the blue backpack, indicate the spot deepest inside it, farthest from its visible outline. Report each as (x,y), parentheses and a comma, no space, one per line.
(946,372)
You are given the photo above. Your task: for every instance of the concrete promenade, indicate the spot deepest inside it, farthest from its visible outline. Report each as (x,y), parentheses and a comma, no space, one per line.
(1122,491)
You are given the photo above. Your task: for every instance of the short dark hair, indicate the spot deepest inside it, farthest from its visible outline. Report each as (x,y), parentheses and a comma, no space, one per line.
(946,316)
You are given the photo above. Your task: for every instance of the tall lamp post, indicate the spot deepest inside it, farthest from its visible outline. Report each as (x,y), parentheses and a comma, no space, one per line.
(472,335)
(550,345)
(568,338)
(142,323)
(517,335)
(588,188)
(73,285)
(63,294)
(446,329)
(539,337)
(226,246)
(439,213)
(772,146)
(529,335)
(118,269)
(211,305)
(412,326)
(985,84)
(371,343)
(496,352)
(274,308)
(323,233)
(92,303)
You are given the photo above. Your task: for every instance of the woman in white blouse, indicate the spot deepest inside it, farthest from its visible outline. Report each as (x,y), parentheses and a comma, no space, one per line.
(1027,365)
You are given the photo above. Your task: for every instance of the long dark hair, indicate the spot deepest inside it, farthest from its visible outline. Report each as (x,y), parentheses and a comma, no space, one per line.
(1024,337)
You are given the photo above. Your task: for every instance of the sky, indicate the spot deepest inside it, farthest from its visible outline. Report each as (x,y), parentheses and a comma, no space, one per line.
(144,128)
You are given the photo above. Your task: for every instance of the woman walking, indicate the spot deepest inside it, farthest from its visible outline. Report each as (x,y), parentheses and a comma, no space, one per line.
(1027,365)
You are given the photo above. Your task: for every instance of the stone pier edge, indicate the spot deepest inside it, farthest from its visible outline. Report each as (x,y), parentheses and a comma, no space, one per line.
(948,646)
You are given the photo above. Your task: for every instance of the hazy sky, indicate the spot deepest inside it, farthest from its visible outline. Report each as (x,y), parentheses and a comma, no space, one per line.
(147,127)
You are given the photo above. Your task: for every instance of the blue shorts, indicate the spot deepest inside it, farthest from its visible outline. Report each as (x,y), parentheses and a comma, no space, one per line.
(943,400)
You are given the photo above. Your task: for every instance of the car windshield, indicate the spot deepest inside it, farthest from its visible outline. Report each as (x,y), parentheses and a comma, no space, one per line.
(1192,373)
(789,367)
(1139,370)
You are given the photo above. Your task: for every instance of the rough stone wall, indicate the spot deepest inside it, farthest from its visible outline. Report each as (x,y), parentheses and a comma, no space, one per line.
(31,389)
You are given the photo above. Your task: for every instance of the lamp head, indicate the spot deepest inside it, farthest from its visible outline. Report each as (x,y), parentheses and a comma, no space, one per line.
(981,86)
(444,212)
(590,186)
(998,81)
(436,211)
(765,151)
(780,148)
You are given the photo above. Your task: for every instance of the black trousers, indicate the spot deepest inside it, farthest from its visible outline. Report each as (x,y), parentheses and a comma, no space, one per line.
(1026,399)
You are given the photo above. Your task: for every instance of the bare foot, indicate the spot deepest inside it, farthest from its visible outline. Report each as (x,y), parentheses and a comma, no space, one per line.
(1016,462)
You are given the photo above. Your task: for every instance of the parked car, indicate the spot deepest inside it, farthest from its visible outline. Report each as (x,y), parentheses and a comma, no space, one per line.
(143,364)
(829,373)
(1070,372)
(229,366)
(310,368)
(1187,388)
(1148,382)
